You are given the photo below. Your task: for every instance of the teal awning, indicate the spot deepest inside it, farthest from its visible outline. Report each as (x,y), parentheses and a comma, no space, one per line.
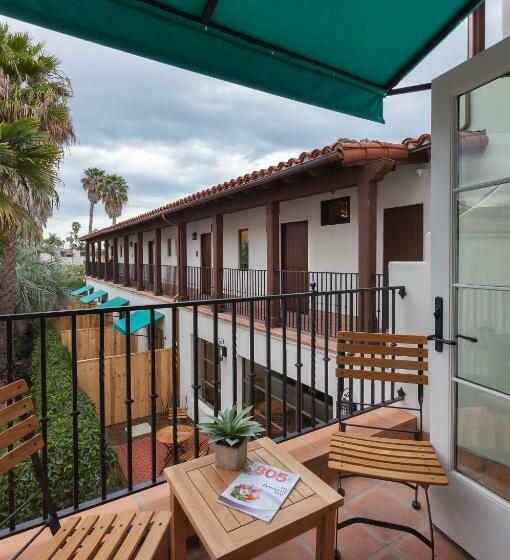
(343,56)
(93,296)
(139,320)
(82,290)
(114,302)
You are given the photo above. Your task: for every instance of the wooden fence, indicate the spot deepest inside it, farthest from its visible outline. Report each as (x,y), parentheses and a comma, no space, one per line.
(87,342)
(82,321)
(115,384)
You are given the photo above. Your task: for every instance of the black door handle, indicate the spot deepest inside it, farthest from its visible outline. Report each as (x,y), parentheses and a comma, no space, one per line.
(469,338)
(442,340)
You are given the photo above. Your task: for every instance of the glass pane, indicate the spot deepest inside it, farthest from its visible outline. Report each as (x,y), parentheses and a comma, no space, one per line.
(484,236)
(485,315)
(484,133)
(483,439)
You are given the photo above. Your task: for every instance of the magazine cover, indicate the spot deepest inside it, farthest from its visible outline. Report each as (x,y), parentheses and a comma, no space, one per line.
(259,491)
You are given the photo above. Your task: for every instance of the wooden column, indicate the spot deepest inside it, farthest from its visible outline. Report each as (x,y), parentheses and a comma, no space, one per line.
(93,268)
(87,258)
(182,262)
(107,275)
(476,32)
(370,175)
(158,288)
(139,267)
(273,257)
(100,269)
(115,261)
(218,255)
(126,260)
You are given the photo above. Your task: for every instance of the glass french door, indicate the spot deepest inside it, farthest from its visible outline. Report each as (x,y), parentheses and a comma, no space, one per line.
(470,381)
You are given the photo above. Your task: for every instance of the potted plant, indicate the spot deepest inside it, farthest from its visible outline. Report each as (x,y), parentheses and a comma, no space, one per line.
(230,431)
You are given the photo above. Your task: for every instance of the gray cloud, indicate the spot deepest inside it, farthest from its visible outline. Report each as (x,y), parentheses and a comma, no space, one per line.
(170,132)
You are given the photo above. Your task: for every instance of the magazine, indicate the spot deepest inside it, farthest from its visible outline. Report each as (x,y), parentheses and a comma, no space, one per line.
(259,490)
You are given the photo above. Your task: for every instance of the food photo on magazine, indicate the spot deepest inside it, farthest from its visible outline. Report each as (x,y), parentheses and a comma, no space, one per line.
(259,490)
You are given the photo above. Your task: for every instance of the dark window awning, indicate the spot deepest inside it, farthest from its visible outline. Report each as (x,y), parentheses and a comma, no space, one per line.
(99,294)
(343,56)
(138,320)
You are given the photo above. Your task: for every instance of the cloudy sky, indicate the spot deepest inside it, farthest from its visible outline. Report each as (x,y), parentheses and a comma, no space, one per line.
(170,132)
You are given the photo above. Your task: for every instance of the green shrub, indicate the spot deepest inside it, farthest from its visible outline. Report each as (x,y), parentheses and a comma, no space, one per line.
(60,443)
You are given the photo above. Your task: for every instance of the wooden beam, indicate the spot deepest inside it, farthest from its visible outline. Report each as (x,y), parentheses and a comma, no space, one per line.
(218,255)
(87,258)
(158,288)
(208,11)
(100,269)
(182,262)
(476,31)
(106,260)
(273,257)
(126,261)
(139,264)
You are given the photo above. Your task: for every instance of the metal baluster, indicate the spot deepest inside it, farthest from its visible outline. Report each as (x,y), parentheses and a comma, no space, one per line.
(326,362)
(269,396)
(128,401)
(154,394)
(74,415)
(313,327)
(252,355)
(393,332)
(351,328)
(234,354)
(43,418)
(284,365)
(299,365)
(216,361)
(102,423)
(175,384)
(196,386)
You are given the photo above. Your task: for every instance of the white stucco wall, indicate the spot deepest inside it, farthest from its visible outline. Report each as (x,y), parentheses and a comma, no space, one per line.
(255,221)
(198,227)
(169,233)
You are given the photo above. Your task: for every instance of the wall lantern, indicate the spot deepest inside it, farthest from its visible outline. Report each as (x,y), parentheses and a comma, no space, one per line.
(221,349)
(194,236)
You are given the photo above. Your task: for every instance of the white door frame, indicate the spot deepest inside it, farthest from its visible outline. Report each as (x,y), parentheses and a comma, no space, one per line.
(475,518)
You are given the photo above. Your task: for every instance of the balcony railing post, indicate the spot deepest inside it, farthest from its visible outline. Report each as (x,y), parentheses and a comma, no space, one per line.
(125,256)
(158,289)
(115,260)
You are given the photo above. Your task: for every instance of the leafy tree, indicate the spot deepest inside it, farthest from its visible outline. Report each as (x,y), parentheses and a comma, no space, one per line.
(54,239)
(35,125)
(114,194)
(74,236)
(92,181)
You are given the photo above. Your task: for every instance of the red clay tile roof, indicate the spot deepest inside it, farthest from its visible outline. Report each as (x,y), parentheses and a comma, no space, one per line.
(469,141)
(348,153)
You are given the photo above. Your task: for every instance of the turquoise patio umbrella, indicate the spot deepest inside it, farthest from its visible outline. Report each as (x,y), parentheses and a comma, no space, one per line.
(138,320)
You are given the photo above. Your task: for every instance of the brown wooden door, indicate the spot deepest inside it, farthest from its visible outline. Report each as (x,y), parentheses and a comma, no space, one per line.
(294,277)
(151,263)
(206,262)
(403,234)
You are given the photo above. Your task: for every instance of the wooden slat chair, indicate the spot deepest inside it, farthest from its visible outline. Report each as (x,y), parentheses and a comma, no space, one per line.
(182,413)
(129,535)
(189,454)
(386,358)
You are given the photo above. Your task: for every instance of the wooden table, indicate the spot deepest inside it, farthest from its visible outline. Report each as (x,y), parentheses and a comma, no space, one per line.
(166,437)
(230,535)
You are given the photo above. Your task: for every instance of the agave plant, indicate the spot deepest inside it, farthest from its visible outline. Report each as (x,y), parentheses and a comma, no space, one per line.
(231,426)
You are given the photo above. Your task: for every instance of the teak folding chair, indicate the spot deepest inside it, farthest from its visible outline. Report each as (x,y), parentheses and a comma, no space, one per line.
(129,535)
(391,358)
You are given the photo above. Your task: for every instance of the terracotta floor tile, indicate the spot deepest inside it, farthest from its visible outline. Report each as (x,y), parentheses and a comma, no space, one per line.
(355,543)
(381,503)
(296,549)
(411,548)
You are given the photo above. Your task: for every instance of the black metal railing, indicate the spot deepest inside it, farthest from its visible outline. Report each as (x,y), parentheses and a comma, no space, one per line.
(169,279)
(245,283)
(287,377)
(120,272)
(200,281)
(148,276)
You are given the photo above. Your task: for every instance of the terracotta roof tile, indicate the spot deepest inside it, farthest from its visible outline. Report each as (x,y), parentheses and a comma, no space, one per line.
(469,141)
(349,153)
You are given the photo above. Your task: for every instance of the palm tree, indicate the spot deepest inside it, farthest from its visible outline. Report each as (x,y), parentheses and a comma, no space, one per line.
(114,194)
(92,181)
(31,85)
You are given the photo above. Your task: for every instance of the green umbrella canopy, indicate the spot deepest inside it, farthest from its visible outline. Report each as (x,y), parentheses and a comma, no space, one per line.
(138,320)
(343,56)
(82,290)
(112,303)
(93,296)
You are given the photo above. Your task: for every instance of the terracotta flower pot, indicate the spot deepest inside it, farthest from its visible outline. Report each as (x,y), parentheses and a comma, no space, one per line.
(231,458)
